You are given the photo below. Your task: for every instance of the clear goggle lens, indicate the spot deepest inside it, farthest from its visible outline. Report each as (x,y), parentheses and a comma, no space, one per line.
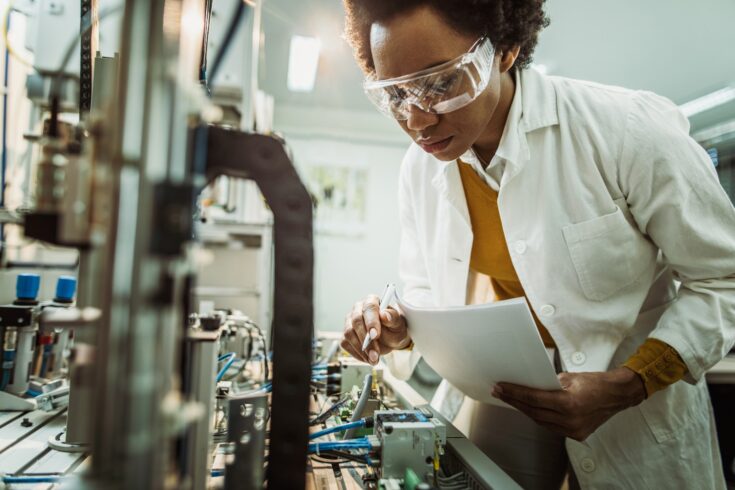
(437,90)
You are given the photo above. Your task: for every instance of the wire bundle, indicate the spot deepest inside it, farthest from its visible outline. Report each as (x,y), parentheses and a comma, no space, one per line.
(245,322)
(229,360)
(352,450)
(322,417)
(458,481)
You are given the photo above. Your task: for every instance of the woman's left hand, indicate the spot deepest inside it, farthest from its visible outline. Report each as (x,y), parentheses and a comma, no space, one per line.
(584,403)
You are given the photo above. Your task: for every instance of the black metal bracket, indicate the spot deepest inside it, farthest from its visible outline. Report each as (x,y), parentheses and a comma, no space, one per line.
(86,56)
(263,159)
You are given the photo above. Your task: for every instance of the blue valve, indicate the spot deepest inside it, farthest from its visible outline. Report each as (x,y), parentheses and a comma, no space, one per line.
(66,287)
(26,286)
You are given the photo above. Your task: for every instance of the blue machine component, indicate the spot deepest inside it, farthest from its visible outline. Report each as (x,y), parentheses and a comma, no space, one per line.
(713,154)
(26,286)
(18,335)
(66,287)
(7,367)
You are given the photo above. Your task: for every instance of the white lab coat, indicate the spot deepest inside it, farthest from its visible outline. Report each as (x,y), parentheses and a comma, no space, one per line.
(605,201)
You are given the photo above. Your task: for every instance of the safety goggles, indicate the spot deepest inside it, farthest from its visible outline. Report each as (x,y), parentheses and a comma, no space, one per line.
(438,90)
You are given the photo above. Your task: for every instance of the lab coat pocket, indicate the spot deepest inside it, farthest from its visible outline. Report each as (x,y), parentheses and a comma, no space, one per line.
(608,254)
(678,406)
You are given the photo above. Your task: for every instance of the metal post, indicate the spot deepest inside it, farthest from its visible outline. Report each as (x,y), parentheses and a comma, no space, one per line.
(141,327)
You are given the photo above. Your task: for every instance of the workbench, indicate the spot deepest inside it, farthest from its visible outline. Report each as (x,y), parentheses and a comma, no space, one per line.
(24,449)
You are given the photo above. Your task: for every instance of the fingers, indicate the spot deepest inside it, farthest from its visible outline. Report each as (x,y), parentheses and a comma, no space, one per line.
(395,331)
(387,330)
(391,319)
(550,400)
(554,410)
(540,415)
(371,316)
(356,353)
(565,379)
(351,341)
(358,322)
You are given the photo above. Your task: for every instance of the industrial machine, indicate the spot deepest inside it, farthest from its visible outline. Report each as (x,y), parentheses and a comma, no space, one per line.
(126,363)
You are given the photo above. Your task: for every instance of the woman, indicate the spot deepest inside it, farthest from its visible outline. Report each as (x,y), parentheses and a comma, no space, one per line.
(589,201)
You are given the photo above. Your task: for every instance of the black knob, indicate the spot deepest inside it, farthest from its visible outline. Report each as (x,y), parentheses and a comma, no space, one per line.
(26,422)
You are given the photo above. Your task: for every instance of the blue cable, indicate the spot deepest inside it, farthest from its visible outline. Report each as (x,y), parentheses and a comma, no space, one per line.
(217,473)
(225,356)
(227,365)
(328,446)
(31,479)
(338,428)
(319,367)
(361,443)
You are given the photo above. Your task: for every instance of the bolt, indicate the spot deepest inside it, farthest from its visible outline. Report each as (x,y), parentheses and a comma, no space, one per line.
(246,409)
(26,422)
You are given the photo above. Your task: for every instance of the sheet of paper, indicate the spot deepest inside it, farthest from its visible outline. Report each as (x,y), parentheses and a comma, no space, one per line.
(474,347)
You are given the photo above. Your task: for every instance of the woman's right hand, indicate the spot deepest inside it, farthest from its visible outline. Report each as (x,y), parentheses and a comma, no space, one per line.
(388,330)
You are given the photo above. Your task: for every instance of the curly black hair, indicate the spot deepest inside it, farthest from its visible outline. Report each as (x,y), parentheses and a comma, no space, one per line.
(507,23)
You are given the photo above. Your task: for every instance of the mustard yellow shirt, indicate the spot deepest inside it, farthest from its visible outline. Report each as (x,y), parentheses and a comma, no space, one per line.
(657,363)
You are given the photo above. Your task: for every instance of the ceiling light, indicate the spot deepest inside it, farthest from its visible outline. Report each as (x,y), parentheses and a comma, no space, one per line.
(302,63)
(709,101)
(715,134)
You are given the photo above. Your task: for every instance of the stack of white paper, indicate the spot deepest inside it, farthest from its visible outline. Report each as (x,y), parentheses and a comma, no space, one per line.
(474,347)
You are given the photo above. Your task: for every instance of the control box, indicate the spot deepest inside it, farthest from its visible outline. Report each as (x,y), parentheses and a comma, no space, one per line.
(342,376)
(409,439)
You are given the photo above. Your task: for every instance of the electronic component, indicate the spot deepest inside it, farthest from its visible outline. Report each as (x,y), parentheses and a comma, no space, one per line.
(19,340)
(247,420)
(342,376)
(409,440)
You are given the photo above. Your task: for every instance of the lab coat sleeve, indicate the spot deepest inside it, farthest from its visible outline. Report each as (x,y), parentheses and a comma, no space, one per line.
(412,267)
(674,194)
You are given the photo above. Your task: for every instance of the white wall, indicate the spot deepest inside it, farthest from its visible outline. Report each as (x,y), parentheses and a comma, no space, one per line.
(347,268)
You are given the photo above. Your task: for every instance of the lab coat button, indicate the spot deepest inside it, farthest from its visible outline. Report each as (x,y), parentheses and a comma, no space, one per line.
(520,247)
(588,465)
(578,358)
(547,310)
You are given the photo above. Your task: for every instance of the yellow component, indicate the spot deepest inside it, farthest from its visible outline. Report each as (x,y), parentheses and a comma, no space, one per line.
(437,452)
(11,50)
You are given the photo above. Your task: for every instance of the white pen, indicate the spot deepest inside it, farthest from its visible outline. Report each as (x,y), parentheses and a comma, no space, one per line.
(385,301)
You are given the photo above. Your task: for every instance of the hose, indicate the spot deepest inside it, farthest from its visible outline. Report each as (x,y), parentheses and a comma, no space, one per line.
(366,422)
(361,403)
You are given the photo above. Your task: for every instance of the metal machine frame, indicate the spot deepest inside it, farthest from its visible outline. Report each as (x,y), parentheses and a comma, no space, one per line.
(265,161)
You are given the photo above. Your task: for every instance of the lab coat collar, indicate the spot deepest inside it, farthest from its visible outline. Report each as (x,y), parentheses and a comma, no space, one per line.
(448,183)
(539,101)
(533,107)
(509,146)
